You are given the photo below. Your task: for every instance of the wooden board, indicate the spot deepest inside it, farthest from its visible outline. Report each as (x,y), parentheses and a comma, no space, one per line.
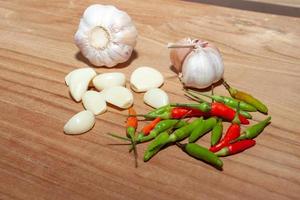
(37,161)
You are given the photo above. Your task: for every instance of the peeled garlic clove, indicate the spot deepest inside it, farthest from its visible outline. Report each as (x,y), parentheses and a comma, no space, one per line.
(107,80)
(119,96)
(156,98)
(94,102)
(79,81)
(80,123)
(144,78)
(106,35)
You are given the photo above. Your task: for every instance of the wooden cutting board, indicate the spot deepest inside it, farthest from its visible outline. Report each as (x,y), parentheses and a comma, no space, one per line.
(37,161)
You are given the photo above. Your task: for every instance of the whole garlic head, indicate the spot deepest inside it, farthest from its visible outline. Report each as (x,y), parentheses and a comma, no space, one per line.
(106,35)
(200,65)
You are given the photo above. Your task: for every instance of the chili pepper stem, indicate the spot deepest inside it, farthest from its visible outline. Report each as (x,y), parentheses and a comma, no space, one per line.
(117,136)
(223,152)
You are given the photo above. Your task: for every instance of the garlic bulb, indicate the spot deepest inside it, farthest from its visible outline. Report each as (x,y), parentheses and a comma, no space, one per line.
(106,36)
(199,65)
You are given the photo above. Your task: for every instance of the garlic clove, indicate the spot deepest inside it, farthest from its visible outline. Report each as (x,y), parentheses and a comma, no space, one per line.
(79,81)
(80,70)
(144,78)
(107,80)
(156,98)
(80,123)
(119,96)
(94,102)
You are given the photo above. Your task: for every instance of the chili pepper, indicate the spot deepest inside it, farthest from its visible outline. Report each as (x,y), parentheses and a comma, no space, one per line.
(225,112)
(178,112)
(202,128)
(175,113)
(159,128)
(216,133)
(155,145)
(231,102)
(253,131)
(245,114)
(160,110)
(149,127)
(131,126)
(204,107)
(181,133)
(232,133)
(235,148)
(202,153)
(243,96)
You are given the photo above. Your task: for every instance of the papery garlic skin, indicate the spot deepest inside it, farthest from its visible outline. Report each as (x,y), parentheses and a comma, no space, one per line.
(106,35)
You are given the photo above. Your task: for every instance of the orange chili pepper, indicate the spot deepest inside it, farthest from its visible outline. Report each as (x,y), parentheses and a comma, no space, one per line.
(149,127)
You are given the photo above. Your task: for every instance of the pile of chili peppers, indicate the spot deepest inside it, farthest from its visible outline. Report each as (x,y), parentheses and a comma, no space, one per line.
(173,123)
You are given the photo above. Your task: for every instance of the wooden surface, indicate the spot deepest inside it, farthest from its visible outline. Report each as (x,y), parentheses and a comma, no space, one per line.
(37,161)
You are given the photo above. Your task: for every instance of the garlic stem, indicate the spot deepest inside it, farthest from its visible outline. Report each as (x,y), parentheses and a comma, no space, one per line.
(174,45)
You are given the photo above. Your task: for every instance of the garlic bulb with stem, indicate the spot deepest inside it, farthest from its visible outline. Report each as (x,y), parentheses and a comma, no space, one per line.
(106,35)
(199,65)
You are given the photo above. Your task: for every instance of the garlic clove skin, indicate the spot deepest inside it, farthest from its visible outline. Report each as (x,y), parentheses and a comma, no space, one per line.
(106,35)
(156,98)
(107,80)
(80,123)
(94,102)
(119,96)
(177,55)
(145,78)
(79,81)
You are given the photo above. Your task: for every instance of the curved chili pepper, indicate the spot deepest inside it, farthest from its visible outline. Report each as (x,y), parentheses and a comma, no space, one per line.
(202,153)
(180,133)
(159,128)
(232,133)
(131,126)
(202,128)
(155,145)
(243,96)
(216,133)
(235,148)
(253,131)
(225,112)
(149,127)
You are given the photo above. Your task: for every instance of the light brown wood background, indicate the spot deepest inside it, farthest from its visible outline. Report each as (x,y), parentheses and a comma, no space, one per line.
(37,161)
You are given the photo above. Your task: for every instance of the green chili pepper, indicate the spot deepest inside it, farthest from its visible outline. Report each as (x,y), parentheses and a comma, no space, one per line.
(204,107)
(160,127)
(243,96)
(202,153)
(184,131)
(245,114)
(156,145)
(216,133)
(231,102)
(160,110)
(202,128)
(253,131)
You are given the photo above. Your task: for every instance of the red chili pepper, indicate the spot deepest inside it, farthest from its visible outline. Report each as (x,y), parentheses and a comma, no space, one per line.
(132,119)
(235,147)
(225,112)
(146,130)
(179,112)
(232,133)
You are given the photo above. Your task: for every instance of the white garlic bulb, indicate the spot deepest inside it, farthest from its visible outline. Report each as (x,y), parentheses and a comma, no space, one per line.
(200,65)
(106,35)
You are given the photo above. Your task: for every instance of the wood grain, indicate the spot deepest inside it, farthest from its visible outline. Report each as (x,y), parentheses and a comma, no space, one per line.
(261,55)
